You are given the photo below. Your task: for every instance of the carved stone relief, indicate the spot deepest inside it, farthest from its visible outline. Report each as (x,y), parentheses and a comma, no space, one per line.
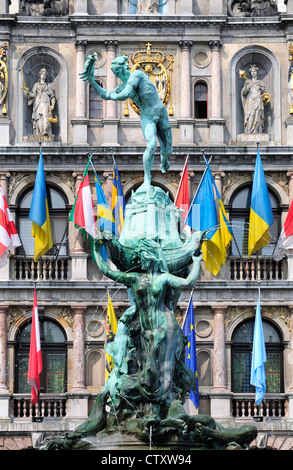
(43,7)
(252,8)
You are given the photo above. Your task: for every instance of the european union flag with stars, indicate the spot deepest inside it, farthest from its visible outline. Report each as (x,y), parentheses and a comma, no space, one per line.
(190,352)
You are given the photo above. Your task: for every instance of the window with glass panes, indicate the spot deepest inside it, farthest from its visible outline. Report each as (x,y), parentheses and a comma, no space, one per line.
(58,220)
(96,103)
(201,101)
(242,342)
(54,358)
(239,219)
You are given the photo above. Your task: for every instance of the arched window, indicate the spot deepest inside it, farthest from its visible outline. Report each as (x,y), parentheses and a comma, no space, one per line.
(54,357)
(239,218)
(242,343)
(95,103)
(58,219)
(200,101)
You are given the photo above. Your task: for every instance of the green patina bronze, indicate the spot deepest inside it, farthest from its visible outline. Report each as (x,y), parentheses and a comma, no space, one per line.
(154,258)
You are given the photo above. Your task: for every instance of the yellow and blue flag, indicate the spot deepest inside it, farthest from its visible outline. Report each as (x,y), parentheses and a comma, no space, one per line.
(39,214)
(261,214)
(190,350)
(226,231)
(118,201)
(259,357)
(203,216)
(112,326)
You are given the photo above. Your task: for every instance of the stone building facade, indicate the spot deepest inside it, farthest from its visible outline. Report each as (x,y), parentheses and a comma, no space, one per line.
(206,49)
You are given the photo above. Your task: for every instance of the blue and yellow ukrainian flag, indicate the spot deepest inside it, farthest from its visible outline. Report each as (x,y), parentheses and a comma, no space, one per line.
(39,214)
(261,214)
(118,201)
(226,231)
(203,216)
(190,350)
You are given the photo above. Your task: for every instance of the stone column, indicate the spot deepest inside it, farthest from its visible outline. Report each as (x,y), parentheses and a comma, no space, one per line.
(216,122)
(111,7)
(290,390)
(77,397)
(78,372)
(218,7)
(220,396)
(80,7)
(289,256)
(185,120)
(111,121)
(3,348)
(80,122)
(185,7)
(219,371)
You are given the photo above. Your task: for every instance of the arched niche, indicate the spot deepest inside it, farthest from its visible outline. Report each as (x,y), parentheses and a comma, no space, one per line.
(31,62)
(269,73)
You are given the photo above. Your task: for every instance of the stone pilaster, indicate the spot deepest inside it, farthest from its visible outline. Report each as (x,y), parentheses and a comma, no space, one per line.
(216,122)
(185,120)
(80,122)
(3,349)
(111,121)
(78,385)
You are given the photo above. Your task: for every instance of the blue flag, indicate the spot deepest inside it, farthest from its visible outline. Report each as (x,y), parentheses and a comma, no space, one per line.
(261,214)
(39,214)
(203,216)
(118,201)
(259,357)
(190,351)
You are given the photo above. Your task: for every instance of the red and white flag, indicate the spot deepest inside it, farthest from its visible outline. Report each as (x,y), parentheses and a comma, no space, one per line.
(35,366)
(182,196)
(285,241)
(8,234)
(83,214)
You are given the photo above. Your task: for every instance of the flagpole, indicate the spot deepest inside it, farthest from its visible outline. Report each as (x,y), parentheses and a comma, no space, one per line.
(181,178)
(190,298)
(197,189)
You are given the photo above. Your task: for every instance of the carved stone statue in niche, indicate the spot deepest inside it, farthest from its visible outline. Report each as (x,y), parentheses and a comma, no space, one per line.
(253,96)
(147,6)
(42,98)
(44,7)
(252,8)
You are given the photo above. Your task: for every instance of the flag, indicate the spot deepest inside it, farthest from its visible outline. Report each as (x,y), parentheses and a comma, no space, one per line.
(8,234)
(105,218)
(224,226)
(39,214)
(118,201)
(203,216)
(258,376)
(190,350)
(112,326)
(182,196)
(82,213)
(35,356)
(261,214)
(285,241)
